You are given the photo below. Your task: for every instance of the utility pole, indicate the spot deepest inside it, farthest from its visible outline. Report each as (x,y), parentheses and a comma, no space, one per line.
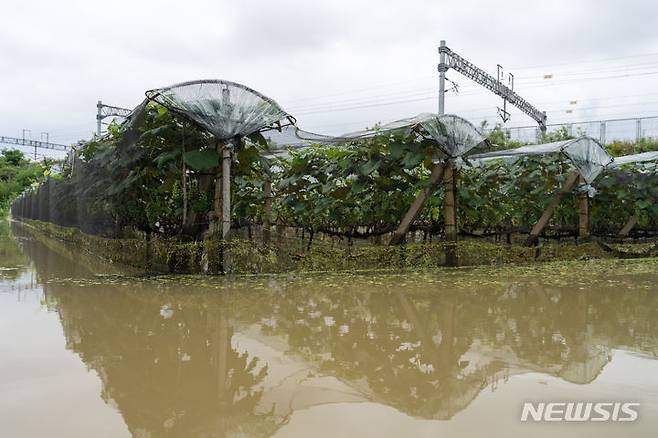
(449,174)
(443,68)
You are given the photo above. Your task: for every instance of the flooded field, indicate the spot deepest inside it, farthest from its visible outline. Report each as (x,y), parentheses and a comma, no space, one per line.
(88,350)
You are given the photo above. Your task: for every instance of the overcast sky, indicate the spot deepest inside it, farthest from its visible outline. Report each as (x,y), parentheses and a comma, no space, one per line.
(336,65)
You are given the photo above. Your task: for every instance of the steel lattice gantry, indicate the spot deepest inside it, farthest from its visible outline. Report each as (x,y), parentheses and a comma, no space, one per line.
(33,143)
(451,60)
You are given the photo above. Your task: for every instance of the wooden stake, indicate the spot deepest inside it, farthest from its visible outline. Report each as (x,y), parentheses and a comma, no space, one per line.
(215,217)
(417,205)
(632,221)
(450,204)
(226,191)
(280,235)
(583,216)
(568,185)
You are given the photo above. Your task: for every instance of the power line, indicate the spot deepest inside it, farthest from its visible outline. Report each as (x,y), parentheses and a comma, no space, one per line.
(528,81)
(432,96)
(552,66)
(616,58)
(357,90)
(425,94)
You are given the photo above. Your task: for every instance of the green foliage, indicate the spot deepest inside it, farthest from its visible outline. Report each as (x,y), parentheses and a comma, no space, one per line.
(625,192)
(204,159)
(560,134)
(618,148)
(17,173)
(158,176)
(367,184)
(500,138)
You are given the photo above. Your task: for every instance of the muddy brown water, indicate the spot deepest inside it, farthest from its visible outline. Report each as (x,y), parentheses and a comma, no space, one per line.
(89,350)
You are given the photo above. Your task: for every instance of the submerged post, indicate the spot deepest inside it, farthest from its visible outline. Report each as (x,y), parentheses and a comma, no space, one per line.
(583,216)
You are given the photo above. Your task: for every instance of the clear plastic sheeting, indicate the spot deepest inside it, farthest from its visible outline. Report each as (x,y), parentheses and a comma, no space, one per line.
(454,135)
(225,109)
(291,137)
(636,158)
(229,110)
(586,154)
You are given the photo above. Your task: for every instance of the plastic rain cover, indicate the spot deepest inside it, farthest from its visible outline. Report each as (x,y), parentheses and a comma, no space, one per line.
(636,158)
(454,135)
(585,153)
(226,109)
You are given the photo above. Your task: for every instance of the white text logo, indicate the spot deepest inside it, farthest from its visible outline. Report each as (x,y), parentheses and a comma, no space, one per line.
(580,411)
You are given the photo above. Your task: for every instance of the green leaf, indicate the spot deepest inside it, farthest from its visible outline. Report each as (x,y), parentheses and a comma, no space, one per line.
(642,204)
(358,186)
(370,166)
(166,157)
(258,139)
(397,150)
(412,159)
(202,159)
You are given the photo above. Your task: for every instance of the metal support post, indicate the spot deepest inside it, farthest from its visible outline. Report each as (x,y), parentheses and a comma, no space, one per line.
(638,130)
(442,78)
(99,117)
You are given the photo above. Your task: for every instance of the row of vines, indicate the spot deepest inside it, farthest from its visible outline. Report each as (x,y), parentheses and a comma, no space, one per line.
(160,179)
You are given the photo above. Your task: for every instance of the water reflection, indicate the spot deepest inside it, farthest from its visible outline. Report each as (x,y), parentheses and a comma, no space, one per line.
(13,260)
(189,360)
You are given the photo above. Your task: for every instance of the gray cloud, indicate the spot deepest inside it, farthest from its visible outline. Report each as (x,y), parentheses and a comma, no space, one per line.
(58,58)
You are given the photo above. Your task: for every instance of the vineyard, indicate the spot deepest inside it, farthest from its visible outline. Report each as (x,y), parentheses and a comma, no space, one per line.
(159,174)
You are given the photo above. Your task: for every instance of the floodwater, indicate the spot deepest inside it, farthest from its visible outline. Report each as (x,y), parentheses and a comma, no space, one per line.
(88,352)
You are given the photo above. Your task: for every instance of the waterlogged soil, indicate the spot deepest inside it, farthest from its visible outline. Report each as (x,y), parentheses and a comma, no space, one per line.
(89,350)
